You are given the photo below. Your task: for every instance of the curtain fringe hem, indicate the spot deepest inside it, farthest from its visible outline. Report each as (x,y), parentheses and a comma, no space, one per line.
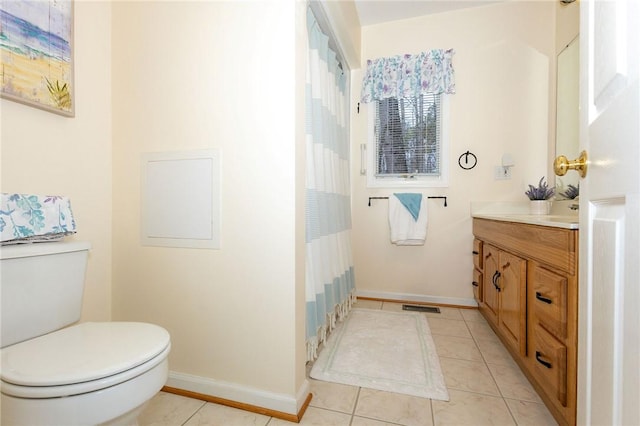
(340,313)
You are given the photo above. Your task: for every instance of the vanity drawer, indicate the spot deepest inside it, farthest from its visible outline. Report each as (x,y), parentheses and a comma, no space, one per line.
(550,301)
(477,285)
(477,254)
(550,363)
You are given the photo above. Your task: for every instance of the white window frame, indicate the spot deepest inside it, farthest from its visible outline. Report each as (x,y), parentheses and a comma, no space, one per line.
(441,181)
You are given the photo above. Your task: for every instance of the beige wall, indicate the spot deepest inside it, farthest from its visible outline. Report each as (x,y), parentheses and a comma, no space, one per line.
(199,75)
(45,153)
(503,76)
(345,26)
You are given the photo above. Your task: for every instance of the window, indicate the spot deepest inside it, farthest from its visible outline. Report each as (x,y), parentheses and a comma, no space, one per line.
(407,144)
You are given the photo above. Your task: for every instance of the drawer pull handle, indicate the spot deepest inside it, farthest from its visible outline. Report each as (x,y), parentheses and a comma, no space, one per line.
(475,252)
(541,361)
(494,280)
(541,298)
(475,283)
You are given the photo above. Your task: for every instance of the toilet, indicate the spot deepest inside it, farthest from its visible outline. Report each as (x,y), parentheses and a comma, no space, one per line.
(56,373)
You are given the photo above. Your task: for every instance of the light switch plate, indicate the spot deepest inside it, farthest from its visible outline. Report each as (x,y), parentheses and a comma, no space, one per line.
(502,173)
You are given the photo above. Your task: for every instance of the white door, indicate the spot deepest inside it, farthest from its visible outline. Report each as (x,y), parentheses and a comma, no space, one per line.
(609,307)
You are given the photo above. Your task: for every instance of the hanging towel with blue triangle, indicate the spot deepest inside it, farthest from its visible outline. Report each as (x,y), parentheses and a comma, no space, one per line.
(411,202)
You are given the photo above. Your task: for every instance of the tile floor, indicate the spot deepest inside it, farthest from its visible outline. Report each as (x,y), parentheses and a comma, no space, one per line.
(485,388)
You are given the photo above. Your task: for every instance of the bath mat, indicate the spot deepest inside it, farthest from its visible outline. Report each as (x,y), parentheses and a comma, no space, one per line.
(383,350)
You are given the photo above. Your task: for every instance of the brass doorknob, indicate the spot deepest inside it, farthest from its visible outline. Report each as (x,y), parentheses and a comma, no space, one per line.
(562,165)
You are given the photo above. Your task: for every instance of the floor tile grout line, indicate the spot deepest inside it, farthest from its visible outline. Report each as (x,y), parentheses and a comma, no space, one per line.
(515,420)
(433,415)
(355,405)
(331,410)
(462,359)
(482,394)
(194,413)
(477,392)
(524,400)
(378,421)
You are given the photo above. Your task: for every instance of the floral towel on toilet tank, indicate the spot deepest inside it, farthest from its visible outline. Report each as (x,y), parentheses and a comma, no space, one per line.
(29,218)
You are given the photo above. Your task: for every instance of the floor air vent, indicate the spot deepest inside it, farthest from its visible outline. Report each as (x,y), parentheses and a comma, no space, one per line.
(418,308)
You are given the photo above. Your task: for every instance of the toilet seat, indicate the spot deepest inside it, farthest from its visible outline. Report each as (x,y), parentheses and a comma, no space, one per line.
(82,358)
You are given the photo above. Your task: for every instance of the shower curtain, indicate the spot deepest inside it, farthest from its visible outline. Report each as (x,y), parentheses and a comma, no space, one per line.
(330,289)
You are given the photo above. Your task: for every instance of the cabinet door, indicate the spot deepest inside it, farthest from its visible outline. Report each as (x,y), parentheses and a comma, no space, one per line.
(490,288)
(477,282)
(477,285)
(513,299)
(477,254)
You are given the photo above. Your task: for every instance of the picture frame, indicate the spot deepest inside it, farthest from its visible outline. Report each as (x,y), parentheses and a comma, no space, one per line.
(37,54)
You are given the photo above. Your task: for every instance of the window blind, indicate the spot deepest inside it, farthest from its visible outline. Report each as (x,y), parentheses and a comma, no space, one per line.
(407,136)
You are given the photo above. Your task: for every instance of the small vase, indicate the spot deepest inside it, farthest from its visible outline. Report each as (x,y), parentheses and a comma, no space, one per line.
(539,207)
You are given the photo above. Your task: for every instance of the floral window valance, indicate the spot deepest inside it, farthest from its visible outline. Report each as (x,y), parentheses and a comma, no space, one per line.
(408,76)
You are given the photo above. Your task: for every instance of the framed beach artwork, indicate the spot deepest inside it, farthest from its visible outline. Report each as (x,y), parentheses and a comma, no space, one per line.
(36,43)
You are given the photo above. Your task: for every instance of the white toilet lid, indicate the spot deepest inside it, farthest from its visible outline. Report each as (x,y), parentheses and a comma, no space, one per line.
(82,353)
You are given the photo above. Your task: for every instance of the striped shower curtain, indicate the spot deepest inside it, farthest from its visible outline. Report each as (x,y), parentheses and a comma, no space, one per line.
(330,289)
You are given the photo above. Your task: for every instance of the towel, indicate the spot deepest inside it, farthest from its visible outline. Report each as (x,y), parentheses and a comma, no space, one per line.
(30,218)
(404,229)
(411,202)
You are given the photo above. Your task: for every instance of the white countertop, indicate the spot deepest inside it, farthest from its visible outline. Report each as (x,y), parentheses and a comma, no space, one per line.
(561,216)
(556,221)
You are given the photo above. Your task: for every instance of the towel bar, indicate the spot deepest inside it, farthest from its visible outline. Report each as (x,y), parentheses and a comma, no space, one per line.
(386,198)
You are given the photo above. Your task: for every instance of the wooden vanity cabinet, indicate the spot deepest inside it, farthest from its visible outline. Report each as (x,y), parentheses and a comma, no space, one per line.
(533,304)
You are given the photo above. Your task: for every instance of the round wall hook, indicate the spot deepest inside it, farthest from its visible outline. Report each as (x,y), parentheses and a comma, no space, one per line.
(467,160)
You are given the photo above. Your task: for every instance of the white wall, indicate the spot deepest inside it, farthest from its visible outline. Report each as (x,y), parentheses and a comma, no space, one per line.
(503,66)
(48,154)
(198,75)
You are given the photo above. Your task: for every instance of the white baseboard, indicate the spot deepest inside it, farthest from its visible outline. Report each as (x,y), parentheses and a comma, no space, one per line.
(407,297)
(237,393)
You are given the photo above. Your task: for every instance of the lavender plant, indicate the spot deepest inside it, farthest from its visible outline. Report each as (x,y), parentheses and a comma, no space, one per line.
(571,192)
(541,192)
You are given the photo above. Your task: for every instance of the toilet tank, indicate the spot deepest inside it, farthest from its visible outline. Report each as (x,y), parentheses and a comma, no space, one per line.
(41,287)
